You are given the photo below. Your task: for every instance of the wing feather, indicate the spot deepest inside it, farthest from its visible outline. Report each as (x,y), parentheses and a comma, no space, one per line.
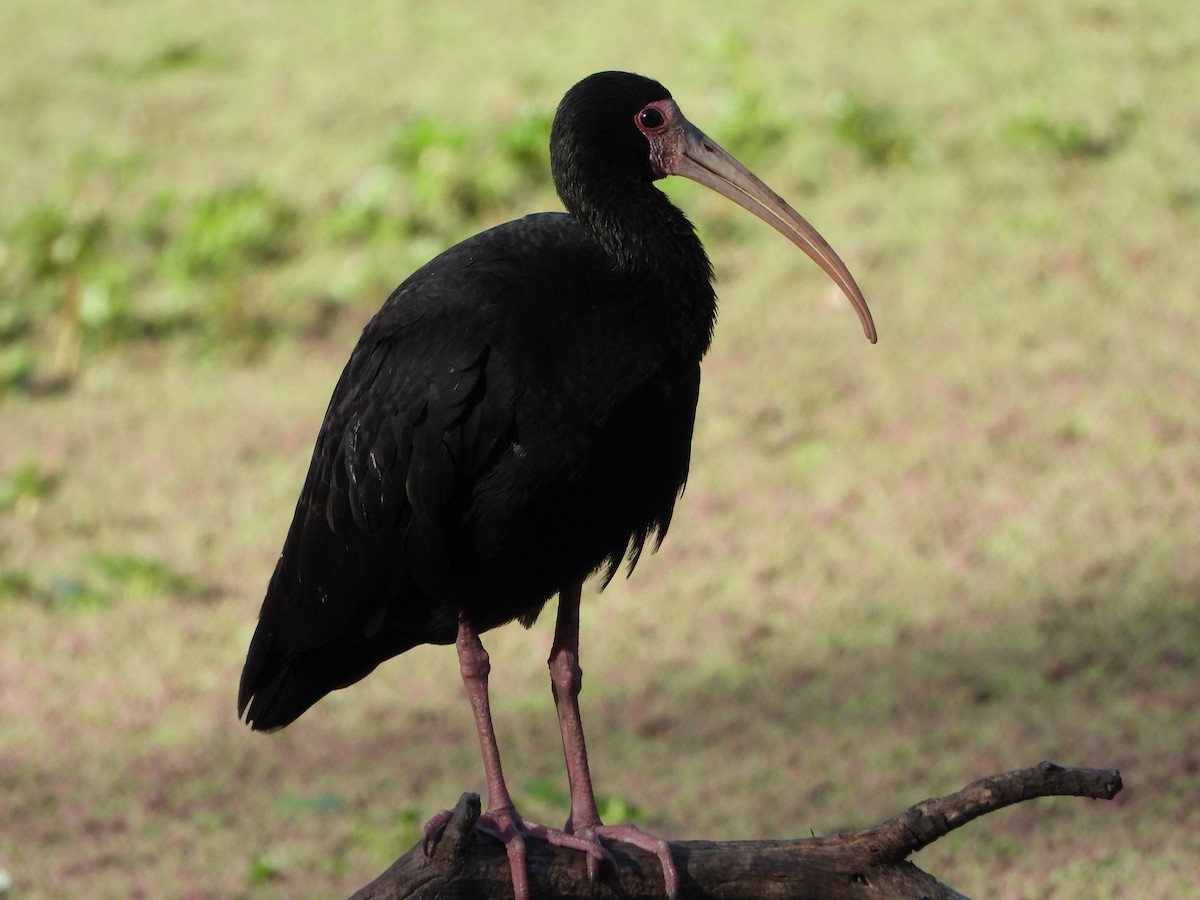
(367,561)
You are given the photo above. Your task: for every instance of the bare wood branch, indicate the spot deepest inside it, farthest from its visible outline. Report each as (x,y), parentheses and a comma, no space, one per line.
(871,862)
(922,824)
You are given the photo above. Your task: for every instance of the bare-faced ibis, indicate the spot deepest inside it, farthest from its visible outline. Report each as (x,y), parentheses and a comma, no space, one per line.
(516,417)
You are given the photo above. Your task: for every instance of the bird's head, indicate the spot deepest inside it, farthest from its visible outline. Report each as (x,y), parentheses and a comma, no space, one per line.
(615,130)
(594,132)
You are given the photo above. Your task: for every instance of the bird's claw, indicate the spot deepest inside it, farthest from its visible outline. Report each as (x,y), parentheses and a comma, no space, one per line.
(432,832)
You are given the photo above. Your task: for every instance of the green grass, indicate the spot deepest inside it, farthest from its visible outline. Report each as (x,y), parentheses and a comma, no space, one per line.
(895,568)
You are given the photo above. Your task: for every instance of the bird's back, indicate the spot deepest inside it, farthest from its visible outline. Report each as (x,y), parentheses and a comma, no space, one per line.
(514,417)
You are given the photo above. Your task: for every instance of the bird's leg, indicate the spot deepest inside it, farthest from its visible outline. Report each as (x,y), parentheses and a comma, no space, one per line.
(501,820)
(566,680)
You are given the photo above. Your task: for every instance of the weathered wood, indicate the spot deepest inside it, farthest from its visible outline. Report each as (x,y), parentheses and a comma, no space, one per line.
(869,863)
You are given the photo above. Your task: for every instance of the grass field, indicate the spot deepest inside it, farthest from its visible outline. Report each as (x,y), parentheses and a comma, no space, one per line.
(895,568)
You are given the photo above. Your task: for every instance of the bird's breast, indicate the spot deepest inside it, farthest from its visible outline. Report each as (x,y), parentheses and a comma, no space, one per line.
(577,492)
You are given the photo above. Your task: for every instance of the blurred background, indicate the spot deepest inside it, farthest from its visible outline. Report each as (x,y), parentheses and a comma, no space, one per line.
(895,569)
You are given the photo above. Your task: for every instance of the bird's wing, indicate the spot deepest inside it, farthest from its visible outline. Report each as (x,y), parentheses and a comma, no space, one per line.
(407,434)
(365,571)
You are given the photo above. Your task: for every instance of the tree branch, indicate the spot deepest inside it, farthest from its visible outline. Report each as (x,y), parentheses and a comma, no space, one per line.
(871,862)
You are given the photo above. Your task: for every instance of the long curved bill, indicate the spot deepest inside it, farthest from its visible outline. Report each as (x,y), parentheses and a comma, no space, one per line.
(696,156)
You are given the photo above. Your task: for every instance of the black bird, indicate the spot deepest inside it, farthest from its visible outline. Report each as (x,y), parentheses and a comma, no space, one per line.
(517,416)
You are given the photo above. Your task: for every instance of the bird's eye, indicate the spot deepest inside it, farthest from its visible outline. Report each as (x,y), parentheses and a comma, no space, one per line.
(651,118)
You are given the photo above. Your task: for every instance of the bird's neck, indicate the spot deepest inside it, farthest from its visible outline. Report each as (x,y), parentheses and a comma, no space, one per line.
(648,238)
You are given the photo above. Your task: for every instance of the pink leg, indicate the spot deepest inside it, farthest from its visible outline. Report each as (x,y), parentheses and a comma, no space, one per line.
(501,820)
(566,679)
(474,665)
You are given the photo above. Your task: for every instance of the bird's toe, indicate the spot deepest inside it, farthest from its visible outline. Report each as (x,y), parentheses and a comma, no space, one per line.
(432,832)
(635,837)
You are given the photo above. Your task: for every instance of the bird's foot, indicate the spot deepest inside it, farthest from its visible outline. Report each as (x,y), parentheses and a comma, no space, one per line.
(635,837)
(506,826)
